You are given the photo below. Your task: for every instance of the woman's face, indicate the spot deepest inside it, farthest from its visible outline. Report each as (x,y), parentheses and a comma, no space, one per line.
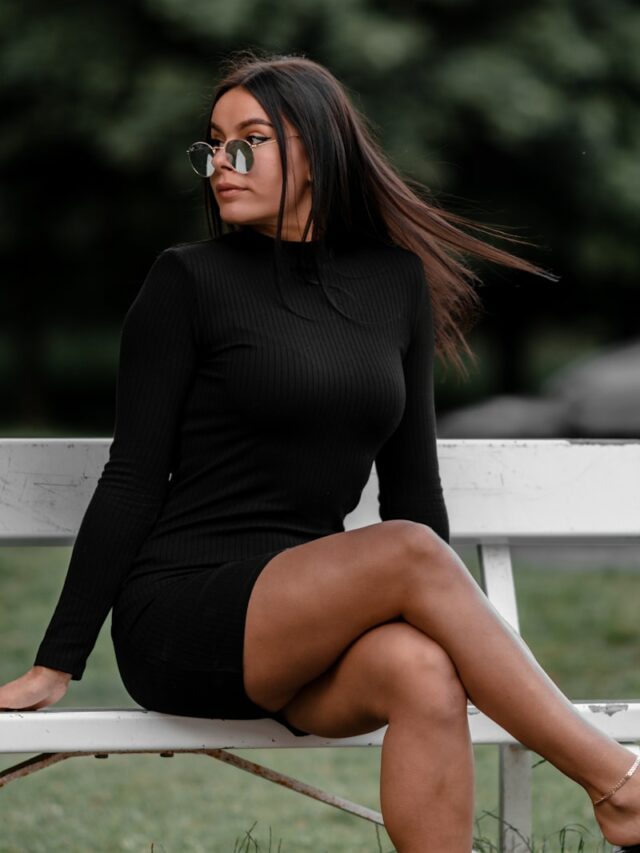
(257,204)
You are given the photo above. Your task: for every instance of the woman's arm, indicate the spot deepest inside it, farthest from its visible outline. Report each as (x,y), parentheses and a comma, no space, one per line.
(407,464)
(158,357)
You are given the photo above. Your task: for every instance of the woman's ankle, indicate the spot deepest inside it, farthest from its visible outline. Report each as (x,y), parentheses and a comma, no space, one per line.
(618,815)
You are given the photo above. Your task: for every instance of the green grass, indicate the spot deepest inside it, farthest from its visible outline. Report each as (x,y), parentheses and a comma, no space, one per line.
(582,626)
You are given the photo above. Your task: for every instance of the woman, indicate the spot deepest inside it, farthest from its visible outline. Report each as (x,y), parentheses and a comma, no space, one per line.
(261,375)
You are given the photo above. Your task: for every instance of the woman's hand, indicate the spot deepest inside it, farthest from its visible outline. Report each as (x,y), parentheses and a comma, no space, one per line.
(37,688)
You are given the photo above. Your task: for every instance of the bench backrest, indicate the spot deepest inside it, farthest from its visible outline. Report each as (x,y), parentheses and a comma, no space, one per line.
(500,491)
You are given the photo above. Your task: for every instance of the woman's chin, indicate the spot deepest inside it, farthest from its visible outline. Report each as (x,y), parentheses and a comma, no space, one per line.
(233,218)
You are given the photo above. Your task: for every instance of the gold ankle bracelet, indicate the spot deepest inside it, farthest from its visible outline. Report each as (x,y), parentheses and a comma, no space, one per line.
(619,784)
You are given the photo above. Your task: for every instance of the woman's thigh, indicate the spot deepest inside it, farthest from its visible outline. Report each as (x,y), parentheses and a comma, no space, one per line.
(311,601)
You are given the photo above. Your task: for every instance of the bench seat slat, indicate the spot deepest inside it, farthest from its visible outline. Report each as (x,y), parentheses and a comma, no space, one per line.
(130,729)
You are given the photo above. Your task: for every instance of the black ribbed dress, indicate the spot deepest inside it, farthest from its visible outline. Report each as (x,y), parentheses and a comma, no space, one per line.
(250,408)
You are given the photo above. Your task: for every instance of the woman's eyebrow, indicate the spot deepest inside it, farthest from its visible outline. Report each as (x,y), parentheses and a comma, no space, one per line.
(244,123)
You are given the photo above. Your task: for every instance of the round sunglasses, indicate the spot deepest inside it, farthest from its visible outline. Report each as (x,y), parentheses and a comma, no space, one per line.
(239,153)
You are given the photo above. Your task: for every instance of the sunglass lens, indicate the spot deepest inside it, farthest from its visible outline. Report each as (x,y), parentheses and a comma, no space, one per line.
(201,159)
(240,155)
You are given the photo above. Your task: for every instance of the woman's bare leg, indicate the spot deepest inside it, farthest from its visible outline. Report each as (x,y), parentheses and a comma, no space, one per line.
(395,674)
(327,592)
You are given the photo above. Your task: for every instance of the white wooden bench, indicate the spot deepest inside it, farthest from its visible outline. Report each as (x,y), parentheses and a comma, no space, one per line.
(499,493)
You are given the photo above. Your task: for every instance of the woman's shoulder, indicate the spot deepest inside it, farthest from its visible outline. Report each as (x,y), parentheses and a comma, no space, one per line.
(196,253)
(195,266)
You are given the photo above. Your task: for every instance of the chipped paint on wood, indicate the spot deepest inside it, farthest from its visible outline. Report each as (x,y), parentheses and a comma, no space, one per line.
(609,708)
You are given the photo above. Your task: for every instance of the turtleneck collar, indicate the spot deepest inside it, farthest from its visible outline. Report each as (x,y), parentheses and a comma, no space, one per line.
(295,248)
(302,258)
(308,262)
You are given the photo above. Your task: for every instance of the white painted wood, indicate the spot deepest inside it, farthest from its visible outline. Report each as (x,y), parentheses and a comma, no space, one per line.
(496,576)
(45,487)
(526,491)
(78,730)
(134,729)
(514,769)
(515,799)
(496,490)
(523,491)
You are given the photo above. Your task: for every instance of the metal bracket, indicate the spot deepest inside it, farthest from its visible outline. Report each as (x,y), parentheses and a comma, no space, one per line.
(46,759)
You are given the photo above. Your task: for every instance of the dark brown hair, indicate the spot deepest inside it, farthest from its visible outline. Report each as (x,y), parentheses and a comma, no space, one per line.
(356,189)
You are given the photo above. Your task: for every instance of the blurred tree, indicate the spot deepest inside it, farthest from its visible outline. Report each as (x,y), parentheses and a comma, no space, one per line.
(522,115)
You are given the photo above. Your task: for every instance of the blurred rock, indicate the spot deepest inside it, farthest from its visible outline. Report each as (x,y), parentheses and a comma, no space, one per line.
(601,392)
(507,416)
(597,396)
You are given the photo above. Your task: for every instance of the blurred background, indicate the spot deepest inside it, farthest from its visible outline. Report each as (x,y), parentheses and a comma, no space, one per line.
(525,116)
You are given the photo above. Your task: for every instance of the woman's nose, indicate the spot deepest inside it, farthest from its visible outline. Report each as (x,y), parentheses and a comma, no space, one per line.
(221,158)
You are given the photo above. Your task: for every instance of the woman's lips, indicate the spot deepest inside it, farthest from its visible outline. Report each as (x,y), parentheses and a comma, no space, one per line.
(230,193)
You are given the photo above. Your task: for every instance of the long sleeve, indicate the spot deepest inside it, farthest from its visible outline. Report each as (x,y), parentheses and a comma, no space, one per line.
(407,464)
(157,362)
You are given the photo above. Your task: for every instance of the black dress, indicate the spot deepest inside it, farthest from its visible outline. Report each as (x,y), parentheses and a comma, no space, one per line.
(250,408)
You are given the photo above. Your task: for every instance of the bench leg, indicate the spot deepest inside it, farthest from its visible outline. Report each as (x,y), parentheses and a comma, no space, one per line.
(515,799)
(496,572)
(31,765)
(296,785)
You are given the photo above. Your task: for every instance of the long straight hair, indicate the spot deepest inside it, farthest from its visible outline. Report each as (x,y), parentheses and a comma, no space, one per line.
(356,190)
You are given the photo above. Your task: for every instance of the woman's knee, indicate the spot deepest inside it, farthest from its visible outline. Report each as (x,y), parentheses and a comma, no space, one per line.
(422,554)
(431,561)
(422,548)
(416,538)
